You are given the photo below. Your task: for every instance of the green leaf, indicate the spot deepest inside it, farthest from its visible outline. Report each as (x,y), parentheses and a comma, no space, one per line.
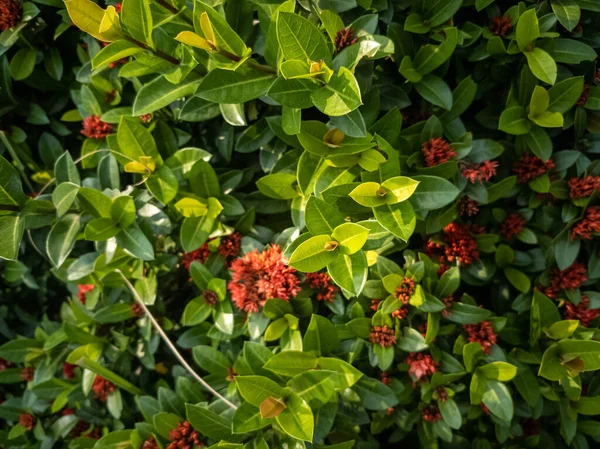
(351,237)
(375,395)
(562,329)
(64,196)
(300,40)
(135,242)
(501,371)
(315,387)
(255,389)
(340,96)
(567,12)
(399,219)
(247,418)
(514,121)
(467,314)
(159,93)
(61,238)
(208,423)
(226,38)
(11,233)
(438,12)
(211,359)
(114,313)
(311,255)
(541,64)
(297,419)
(451,413)
(436,91)
(204,180)
(65,170)
(369,194)
(228,87)
(137,17)
(586,350)
(347,375)
(22,64)
(498,399)
(291,363)
(518,279)
(570,51)
(114,52)
(528,30)
(321,336)
(163,184)
(349,272)
(399,188)
(135,140)
(100,229)
(433,193)
(278,185)
(293,93)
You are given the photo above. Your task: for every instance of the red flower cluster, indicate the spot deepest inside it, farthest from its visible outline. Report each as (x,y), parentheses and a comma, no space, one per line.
(184,437)
(69,370)
(582,188)
(27,373)
(256,277)
(229,248)
(442,394)
(581,311)
(137,309)
(344,38)
(102,388)
(150,443)
(84,429)
(501,26)
(568,279)
(584,96)
(437,151)
(431,413)
(10,14)
(28,421)
(4,364)
(118,6)
(405,290)
(210,298)
(400,313)
(94,128)
(383,336)
(531,167)
(479,172)
(374,304)
(512,226)
(590,224)
(385,378)
(83,290)
(321,282)
(420,365)
(468,207)
(145,118)
(482,333)
(459,246)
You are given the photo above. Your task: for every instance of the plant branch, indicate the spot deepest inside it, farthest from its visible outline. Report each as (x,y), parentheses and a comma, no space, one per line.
(158,53)
(171,346)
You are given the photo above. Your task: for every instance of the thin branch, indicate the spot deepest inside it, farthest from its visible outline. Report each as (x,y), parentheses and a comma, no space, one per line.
(171,346)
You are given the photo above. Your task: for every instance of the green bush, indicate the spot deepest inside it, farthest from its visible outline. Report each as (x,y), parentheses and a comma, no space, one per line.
(272,224)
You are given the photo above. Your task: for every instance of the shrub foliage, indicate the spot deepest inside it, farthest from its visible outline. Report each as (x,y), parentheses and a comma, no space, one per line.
(299,224)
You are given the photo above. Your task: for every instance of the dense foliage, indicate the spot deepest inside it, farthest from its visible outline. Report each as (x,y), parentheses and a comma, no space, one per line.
(299,224)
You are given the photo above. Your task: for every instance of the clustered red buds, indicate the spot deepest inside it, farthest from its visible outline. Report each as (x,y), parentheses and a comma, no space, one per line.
(460,246)
(229,248)
(481,333)
(27,373)
(184,437)
(146,118)
(137,310)
(437,151)
(28,421)
(69,370)
(530,167)
(344,38)
(10,14)
(400,313)
(512,226)
(321,282)
(83,290)
(479,172)
(431,413)
(405,290)
(256,277)
(581,311)
(385,378)
(102,388)
(568,279)
(94,128)
(582,188)
(150,443)
(501,26)
(442,394)
(210,298)
(420,365)
(4,364)
(588,225)
(468,207)
(383,336)
(585,94)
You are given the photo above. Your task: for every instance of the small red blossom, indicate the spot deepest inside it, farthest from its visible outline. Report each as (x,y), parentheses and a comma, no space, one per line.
(568,279)
(448,303)
(581,311)
(321,282)
(431,413)
(512,226)
(385,378)
(400,313)
(198,255)
(582,188)
(437,151)
(28,421)
(588,225)
(69,370)
(67,412)
(145,118)
(94,128)
(442,394)
(390,411)
(374,304)
(4,364)
(27,373)
(150,443)
(118,7)
(10,14)
(481,333)
(530,167)
(229,247)
(344,38)
(383,336)
(83,290)
(256,277)
(137,310)
(102,388)
(468,207)
(210,298)
(479,172)
(184,437)
(501,26)
(405,290)
(420,365)
(584,96)
(460,246)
